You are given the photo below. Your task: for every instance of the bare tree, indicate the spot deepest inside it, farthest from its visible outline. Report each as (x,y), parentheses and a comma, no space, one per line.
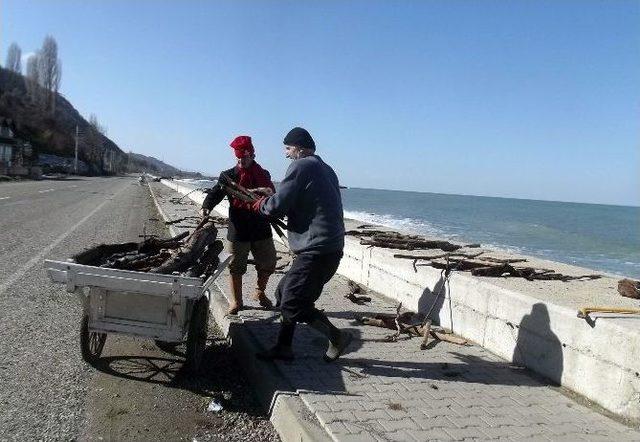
(50,69)
(14,55)
(33,80)
(93,121)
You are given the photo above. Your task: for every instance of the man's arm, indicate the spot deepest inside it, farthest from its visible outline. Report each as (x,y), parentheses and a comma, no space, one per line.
(268,190)
(279,204)
(213,198)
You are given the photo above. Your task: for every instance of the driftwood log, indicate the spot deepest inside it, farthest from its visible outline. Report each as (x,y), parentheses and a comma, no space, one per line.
(355,294)
(629,288)
(455,259)
(411,324)
(395,240)
(490,267)
(188,255)
(197,256)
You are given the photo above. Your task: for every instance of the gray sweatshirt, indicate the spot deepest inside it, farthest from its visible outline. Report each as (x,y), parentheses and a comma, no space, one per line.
(309,195)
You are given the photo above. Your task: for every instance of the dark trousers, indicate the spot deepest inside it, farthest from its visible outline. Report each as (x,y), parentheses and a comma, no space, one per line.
(302,285)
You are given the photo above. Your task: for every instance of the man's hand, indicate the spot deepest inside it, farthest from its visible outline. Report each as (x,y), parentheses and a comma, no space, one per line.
(204,212)
(266,191)
(255,206)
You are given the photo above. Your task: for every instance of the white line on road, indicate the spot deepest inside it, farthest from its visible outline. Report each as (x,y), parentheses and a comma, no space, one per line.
(44,191)
(40,256)
(4,197)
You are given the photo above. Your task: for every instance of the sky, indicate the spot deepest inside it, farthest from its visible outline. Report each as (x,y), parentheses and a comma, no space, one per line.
(524,99)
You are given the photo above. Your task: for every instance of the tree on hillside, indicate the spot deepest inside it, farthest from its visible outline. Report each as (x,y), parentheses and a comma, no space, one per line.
(34,90)
(50,70)
(14,55)
(94,142)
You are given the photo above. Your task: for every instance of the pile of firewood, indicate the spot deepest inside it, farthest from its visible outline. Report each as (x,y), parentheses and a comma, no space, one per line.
(187,255)
(489,266)
(394,240)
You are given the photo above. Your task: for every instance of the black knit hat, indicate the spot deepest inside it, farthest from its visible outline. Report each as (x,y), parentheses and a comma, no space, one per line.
(299,137)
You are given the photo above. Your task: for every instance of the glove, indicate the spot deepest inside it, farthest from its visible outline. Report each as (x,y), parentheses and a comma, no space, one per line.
(255,206)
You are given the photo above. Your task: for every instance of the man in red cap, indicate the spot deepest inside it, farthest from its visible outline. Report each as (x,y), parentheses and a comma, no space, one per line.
(247,231)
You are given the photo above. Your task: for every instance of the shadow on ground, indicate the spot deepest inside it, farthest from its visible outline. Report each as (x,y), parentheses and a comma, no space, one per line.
(220,375)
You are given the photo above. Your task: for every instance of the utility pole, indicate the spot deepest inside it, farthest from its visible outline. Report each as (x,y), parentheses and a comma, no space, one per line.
(75,163)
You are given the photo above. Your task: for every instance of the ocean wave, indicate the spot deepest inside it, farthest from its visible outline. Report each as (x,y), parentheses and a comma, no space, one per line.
(405,225)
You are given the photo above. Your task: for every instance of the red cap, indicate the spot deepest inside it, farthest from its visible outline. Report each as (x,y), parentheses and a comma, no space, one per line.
(241,145)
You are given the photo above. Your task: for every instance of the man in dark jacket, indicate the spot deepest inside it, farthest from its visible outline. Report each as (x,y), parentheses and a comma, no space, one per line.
(247,231)
(309,196)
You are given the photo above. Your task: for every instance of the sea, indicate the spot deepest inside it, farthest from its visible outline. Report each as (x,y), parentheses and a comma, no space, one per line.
(601,237)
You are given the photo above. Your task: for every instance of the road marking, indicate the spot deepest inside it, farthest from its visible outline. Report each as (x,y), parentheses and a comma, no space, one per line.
(5,197)
(40,256)
(45,191)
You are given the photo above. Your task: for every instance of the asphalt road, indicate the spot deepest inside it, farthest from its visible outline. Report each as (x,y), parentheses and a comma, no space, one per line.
(137,392)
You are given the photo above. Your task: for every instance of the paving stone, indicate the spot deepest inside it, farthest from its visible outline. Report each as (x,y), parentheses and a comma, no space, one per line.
(497,432)
(399,436)
(464,433)
(356,437)
(372,425)
(429,423)
(427,435)
(501,421)
(373,414)
(327,417)
(528,431)
(399,424)
(466,421)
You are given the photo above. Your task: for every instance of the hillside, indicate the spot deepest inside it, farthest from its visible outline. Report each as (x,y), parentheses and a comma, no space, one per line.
(53,132)
(153,164)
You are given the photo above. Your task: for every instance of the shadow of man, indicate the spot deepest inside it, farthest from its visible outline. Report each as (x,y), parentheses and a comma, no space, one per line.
(431,301)
(537,347)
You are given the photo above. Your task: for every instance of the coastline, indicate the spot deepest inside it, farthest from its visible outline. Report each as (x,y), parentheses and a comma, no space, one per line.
(600,238)
(531,323)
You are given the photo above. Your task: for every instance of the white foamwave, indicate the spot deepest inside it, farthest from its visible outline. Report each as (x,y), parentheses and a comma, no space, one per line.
(199,183)
(405,225)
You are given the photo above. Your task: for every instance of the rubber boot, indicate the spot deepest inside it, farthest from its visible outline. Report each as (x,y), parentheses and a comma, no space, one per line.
(282,349)
(338,340)
(236,294)
(261,285)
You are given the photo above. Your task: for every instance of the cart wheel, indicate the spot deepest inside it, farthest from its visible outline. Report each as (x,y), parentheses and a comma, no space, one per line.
(91,343)
(197,335)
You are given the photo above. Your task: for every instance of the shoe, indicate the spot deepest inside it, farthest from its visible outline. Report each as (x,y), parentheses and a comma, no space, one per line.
(262,299)
(335,350)
(276,353)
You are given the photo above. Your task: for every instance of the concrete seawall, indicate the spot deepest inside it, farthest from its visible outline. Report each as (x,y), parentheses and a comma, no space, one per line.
(532,323)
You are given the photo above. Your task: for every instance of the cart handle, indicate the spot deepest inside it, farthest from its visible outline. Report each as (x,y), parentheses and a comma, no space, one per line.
(211,279)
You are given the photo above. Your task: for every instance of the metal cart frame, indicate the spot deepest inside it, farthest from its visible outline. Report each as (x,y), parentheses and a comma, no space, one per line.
(162,307)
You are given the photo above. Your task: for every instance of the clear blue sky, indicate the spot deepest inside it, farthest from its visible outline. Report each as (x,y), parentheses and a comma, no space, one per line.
(527,99)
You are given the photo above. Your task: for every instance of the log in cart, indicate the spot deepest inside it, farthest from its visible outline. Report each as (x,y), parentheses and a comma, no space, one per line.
(164,307)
